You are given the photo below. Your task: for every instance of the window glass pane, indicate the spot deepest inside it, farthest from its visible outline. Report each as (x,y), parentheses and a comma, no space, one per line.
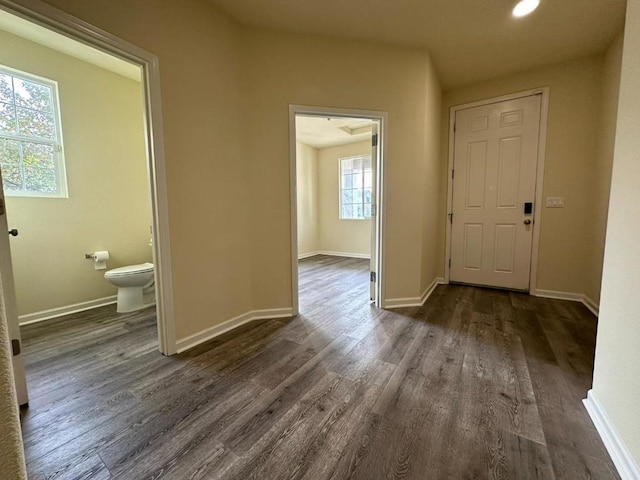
(357,195)
(40,179)
(358,180)
(7,118)
(357,163)
(367,163)
(38,155)
(347,181)
(358,211)
(346,165)
(35,124)
(368,178)
(28,120)
(9,151)
(347,196)
(367,211)
(12,177)
(367,196)
(346,211)
(32,95)
(6,88)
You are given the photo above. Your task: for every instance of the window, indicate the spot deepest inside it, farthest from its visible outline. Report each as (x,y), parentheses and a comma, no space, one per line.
(30,137)
(356,179)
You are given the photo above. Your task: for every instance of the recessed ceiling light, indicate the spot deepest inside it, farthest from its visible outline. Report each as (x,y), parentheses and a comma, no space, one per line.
(525,7)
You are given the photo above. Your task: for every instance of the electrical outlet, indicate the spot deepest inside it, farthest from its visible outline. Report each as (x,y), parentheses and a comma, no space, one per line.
(555,202)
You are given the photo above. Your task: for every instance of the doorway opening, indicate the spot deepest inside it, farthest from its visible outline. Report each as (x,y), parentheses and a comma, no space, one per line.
(74,39)
(337,180)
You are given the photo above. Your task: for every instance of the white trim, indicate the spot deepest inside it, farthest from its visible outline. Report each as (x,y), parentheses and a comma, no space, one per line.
(184,344)
(591,305)
(334,254)
(538,203)
(345,254)
(307,255)
(542,145)
(61,22)
(427,293)
(622,458)
(415,301)
(380,219)
(573,297)
(36,317)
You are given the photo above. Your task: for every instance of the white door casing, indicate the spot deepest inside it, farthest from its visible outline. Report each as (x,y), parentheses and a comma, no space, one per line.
(380,119)
(494,175)
(9,303)
(374,210)
(74,28)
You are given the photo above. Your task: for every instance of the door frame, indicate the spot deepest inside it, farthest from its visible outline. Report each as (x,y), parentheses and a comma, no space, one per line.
(61,22)
(378,225)
(542,145)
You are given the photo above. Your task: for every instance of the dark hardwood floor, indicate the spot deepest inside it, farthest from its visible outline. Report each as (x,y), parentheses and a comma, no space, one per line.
(476,384)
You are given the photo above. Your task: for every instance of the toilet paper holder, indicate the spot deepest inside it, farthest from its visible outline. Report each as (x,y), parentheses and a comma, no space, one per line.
(90,255)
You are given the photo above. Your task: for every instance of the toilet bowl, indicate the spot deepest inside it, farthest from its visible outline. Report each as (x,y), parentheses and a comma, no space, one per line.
(134,283)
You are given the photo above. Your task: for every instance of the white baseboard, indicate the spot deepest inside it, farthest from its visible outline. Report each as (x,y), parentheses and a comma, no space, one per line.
(622,459)
(191,341)
(66,310)
(591,305)
(345,254)
(427,293)
(307,255)
(334,254)
(414,301)
(574,297)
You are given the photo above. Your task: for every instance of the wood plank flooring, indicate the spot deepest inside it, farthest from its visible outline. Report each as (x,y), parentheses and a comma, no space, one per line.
(475,384)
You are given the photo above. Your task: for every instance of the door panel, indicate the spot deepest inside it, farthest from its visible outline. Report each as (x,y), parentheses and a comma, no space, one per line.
(495,162)
(374,211)
(477,174)
(10,310)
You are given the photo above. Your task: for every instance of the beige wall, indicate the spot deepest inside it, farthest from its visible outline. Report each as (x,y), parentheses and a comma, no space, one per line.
(307,192)
(616,383)
(208,191)
(433,217)
(108,206)
(282,69)
(573,135)
(341,236)
(602,167)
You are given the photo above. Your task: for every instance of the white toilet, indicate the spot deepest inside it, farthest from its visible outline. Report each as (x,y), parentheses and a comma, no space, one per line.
(134,282)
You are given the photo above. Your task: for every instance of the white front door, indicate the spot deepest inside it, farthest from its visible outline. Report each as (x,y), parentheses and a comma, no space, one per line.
(494,180)
(8,303)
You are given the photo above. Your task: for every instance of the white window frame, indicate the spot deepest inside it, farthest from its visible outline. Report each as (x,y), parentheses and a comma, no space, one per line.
(58,149)
(341,187)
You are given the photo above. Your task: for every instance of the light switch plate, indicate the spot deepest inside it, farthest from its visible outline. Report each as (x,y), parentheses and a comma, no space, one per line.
(555,202)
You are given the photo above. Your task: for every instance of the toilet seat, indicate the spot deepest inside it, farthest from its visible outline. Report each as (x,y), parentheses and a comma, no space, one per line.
(130,270)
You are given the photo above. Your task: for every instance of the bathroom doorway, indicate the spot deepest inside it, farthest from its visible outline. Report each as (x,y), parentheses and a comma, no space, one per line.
(337,204)
(59,201)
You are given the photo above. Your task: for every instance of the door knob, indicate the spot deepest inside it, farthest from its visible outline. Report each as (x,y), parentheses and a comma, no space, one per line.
(527,222)
(14,232)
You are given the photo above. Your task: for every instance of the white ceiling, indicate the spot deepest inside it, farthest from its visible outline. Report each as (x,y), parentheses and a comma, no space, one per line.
(37,34)
(322,132)
(469,40)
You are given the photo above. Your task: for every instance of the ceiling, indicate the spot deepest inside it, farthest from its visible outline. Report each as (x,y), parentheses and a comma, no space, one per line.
(50,39)
(322,132)
(469,40)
